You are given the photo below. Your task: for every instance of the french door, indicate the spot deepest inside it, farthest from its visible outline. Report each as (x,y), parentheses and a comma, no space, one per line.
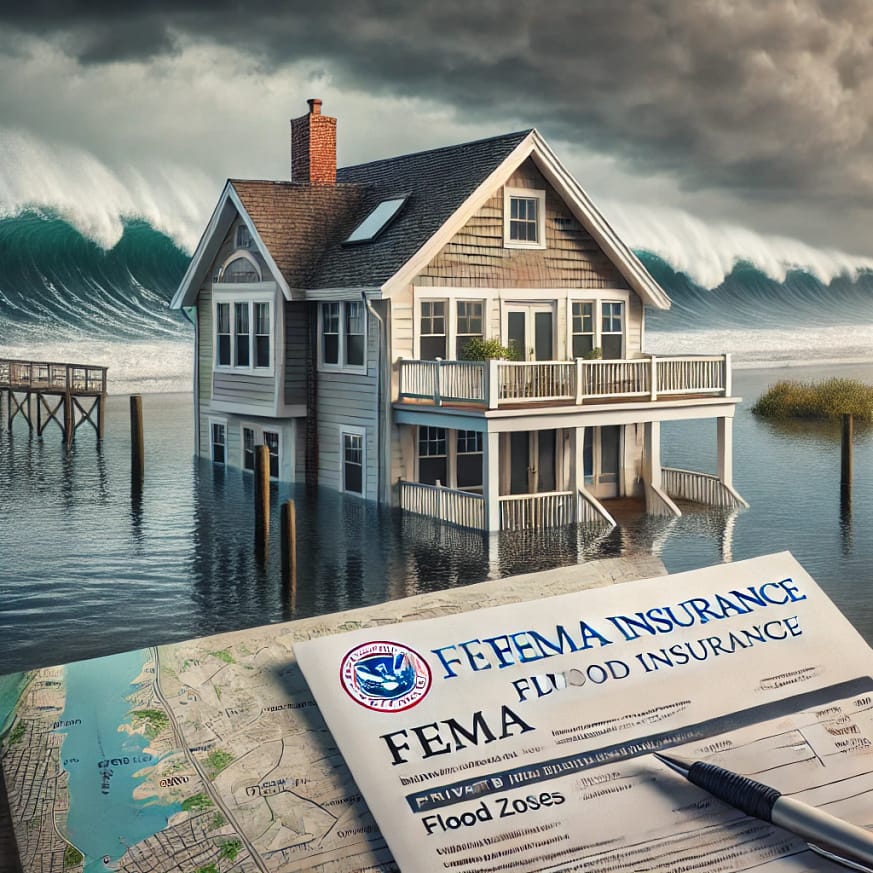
(602,459)
(529,330)
(532,461)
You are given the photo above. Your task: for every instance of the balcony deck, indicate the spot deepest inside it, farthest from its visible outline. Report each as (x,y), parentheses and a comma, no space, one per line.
(528,385)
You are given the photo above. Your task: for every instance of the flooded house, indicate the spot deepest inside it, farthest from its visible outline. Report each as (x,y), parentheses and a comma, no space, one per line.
(458,332)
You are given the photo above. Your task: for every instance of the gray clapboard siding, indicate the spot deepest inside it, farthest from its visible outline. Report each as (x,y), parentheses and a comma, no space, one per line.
(296,330)
(349,399)
(249,390)
(205,362)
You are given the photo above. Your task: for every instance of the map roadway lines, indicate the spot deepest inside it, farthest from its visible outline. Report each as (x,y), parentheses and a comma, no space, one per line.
(207,784)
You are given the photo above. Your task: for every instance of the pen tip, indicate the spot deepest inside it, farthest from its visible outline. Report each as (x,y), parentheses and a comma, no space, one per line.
(680,765)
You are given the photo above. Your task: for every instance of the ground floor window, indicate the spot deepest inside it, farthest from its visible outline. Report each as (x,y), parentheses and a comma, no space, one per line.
(219,442)
(252,437)
(433,464)
(451,458)
(469,460)
(353,462)
(248,448)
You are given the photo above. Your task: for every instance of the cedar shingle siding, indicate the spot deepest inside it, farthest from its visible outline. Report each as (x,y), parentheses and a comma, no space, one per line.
(476,256)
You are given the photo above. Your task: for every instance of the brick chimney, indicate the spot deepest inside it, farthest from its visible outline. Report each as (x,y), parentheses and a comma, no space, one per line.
(313,146)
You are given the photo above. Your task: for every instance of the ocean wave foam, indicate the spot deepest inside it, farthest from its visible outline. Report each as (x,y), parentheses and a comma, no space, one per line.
(707,252)
(95,198)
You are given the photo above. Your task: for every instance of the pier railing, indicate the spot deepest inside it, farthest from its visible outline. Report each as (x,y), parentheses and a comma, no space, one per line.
(497,383)
(52,377)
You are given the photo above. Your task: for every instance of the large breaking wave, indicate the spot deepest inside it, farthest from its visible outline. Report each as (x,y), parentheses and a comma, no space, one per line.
(64,297)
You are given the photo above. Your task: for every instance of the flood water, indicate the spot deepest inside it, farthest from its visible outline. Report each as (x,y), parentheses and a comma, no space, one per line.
(91,565)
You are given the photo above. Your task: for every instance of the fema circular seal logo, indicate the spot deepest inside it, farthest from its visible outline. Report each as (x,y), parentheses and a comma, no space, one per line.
(385,676)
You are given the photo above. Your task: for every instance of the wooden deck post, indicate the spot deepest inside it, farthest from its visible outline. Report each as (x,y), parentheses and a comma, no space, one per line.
(289,550)
(262,500)
(846,454)
(137,453)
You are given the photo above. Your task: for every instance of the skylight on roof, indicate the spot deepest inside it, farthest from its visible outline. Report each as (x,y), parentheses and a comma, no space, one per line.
(376,221)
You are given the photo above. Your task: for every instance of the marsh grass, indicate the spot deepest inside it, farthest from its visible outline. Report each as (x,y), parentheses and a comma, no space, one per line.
(828,399)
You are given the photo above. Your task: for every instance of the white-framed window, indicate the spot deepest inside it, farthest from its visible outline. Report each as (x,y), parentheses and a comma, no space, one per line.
(255,435)
(242,346)
(243,332)
(353,455)
(263,334)
(451,458)
(248,448)
(243,237)
(432,330)
(446,322)
(468,463)
(433,456)
(343,332)
(223,356)
(582,328)
(597,324)
(612,328)
(468,324)
(218,441)
(524,218)
(240,268)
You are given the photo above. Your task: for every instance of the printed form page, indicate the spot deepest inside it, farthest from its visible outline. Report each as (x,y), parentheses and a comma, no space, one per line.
(519,738)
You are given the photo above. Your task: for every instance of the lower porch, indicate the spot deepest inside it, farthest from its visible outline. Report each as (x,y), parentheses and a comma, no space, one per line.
(551,477)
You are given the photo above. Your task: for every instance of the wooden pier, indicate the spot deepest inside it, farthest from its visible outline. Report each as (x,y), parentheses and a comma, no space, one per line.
(68,394)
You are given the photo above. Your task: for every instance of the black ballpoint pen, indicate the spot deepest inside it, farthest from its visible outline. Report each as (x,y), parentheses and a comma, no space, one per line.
(829,836)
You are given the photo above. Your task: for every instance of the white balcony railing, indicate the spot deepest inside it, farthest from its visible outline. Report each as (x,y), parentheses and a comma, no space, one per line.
(699,488)
(517,511)
(536,511)
(501,383)
(446,504)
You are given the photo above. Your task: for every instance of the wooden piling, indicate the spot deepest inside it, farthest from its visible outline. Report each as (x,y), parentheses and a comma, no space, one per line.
(846,454)
(289,550)
(262,500)
(137,453)
(69,418)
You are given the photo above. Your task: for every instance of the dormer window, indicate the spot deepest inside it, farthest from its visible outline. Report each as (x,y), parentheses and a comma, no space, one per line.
(524,214)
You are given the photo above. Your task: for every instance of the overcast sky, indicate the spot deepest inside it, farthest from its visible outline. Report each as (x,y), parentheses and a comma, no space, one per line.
(697,114)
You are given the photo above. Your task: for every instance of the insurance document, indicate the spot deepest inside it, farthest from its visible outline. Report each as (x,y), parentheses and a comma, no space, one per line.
(519,737)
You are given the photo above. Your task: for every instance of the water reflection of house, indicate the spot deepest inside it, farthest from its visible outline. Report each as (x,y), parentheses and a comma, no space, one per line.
(333,312)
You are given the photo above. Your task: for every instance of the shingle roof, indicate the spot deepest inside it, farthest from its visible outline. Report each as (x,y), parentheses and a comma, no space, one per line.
(298,222)
(304,226)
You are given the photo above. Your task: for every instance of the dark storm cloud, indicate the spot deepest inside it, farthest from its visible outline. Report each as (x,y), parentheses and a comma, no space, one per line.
(766,99)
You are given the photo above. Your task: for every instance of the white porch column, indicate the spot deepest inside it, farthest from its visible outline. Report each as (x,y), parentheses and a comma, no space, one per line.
(579,461)
(491,480)
(725,442)
(652,453)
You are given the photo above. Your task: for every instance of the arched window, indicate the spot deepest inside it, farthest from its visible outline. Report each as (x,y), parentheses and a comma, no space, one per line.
(240,267)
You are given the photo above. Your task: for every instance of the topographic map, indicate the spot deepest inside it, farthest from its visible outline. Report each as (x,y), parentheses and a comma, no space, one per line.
(210,756)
